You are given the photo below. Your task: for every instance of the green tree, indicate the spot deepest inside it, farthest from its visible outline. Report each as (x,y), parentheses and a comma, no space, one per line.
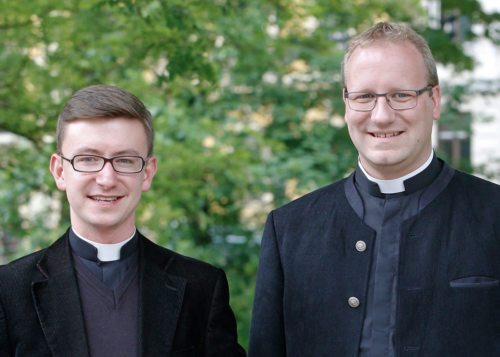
(246,99)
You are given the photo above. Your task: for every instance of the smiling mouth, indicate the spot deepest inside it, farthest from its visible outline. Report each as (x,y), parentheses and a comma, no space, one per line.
(104,199)
(386,135)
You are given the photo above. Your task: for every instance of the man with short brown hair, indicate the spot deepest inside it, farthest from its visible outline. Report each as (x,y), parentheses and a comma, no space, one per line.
(103,289)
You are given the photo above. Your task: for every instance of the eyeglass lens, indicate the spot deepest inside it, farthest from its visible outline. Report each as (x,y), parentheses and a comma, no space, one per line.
(91,163)
(398,100)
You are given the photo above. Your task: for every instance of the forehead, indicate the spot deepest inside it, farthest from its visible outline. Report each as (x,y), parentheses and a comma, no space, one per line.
(385,62)
(104,135)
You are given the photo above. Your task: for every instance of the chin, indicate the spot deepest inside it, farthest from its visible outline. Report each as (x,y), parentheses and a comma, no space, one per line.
(384,159)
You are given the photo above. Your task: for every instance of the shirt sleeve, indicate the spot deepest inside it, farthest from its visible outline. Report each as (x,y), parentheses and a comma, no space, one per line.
(4,339)
(222,336)
(267,337)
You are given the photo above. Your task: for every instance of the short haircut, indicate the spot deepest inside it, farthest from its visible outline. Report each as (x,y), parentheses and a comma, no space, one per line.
(101,102)
(393,32)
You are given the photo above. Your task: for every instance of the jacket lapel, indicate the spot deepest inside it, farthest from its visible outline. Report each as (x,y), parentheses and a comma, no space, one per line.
(161,301)
(57,302)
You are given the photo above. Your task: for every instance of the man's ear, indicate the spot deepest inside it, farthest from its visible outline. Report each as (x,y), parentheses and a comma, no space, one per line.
(56,169)
(149,173)
(436,100)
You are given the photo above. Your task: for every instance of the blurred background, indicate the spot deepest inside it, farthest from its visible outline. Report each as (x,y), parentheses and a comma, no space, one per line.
(247,103)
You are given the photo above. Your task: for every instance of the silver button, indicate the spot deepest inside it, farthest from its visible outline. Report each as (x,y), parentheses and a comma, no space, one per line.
(360,246)
(353,301)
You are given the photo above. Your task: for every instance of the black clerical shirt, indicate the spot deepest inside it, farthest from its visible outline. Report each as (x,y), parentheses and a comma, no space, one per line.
(110,273)
(385,213)
(109,294)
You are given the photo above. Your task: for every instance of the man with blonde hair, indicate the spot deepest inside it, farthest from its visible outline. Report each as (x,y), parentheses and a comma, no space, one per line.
(398,259)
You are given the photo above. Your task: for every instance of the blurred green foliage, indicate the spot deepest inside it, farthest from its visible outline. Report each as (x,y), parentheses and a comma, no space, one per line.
(246,99)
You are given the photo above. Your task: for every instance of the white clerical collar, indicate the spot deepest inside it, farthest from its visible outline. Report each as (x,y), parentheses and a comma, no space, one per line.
(396,185)
(106,252)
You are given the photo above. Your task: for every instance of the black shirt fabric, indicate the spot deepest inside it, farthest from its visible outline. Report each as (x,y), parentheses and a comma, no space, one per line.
(109,294)
(111,273)
(385,213)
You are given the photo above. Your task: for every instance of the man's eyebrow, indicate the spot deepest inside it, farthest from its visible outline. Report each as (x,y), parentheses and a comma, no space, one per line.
(129,152)
(86,150)
(91,151)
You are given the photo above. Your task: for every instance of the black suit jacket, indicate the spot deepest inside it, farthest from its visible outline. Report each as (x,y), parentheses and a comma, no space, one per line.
(448,297)
(184,306)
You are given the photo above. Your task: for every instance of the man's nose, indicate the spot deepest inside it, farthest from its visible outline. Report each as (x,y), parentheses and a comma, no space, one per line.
(107,176)
(382,113)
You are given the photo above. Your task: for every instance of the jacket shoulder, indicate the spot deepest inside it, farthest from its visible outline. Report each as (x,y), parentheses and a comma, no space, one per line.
(191,267)
(16,278)
(475,193)
(476,184)
(180,265)
(316,201)
(20,266)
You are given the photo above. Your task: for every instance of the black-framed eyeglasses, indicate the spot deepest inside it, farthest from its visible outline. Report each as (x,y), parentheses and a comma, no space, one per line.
(397,99)
(93,163)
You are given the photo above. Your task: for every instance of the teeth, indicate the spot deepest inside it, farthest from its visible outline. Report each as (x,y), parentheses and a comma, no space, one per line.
(386,135)
(105,199)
